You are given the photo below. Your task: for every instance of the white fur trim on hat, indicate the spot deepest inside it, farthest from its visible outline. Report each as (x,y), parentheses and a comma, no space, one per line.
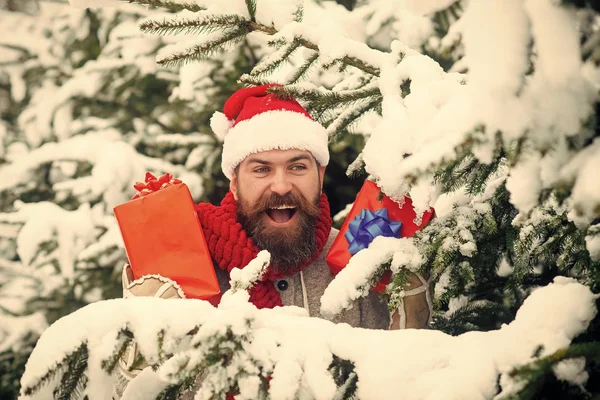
(220,125)
(274,130)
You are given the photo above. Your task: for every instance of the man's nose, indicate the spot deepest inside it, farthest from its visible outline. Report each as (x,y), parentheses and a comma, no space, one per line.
(281,183)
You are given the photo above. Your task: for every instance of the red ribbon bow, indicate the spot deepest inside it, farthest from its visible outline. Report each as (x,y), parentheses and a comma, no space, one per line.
(152,184)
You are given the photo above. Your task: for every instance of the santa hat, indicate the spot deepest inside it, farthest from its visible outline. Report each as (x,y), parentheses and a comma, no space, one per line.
(254,120)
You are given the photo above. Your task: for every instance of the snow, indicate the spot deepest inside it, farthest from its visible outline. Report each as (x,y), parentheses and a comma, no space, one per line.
(351,282)
(586,197)
(524,184)
(44,221)
(20,328)
(296,350)
(243,279)
(504,269)
(572,370)
(146,385)
(507,57)
(341,215)
(592,243)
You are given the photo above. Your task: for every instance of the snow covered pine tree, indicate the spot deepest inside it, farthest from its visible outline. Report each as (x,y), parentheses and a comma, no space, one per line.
(85,111)
(503,140)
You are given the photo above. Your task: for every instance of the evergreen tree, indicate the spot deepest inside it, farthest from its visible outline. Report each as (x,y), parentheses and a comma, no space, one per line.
(508,152)
(85,113)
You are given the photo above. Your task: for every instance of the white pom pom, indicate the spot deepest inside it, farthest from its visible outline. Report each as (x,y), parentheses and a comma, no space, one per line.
(220,125)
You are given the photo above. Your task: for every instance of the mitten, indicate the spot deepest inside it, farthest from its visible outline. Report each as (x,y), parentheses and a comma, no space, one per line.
(147,285)
(416,307)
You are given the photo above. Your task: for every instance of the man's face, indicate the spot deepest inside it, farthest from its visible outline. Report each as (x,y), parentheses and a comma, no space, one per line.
(278,195)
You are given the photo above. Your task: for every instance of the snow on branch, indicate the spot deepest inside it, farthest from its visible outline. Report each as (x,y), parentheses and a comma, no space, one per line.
(244,279)
(361,274)
(297,352)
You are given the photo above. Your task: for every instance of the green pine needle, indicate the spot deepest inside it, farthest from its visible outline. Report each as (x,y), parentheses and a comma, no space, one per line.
(74,381)
(173,392)
(299,13)
(273,61)
(467,318)
(64,365)
(537,372)
(251,5)
(344,376)
(345,119)
(249,80)
(302,71)
(137,362)
(206,49)
(202,24)
(123,340)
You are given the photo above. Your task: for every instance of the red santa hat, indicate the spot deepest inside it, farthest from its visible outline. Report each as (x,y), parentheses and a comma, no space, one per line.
(254,120)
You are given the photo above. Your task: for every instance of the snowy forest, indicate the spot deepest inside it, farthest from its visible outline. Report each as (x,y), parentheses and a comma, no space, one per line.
(485,110)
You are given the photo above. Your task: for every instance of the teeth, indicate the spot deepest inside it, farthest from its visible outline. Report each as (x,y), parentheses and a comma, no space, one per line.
(283,207)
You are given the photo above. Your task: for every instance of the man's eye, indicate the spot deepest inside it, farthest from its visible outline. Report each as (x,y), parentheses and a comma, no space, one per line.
(261,170)
(298,167)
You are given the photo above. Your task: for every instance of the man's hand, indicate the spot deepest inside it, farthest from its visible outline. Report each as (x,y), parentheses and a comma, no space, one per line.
(150,285)
(147,285)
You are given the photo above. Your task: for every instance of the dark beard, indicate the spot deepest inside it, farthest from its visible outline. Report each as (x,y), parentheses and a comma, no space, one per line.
(290,247)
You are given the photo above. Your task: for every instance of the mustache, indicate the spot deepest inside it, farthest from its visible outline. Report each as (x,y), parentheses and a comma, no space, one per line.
(292,198)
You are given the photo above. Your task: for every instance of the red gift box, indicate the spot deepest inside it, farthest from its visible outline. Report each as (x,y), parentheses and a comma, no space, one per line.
(162,235)
(370,198)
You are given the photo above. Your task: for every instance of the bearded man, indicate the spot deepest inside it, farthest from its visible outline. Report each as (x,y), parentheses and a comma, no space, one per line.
(275,156)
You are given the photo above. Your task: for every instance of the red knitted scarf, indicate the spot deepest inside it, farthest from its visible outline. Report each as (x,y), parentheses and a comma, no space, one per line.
(230,246)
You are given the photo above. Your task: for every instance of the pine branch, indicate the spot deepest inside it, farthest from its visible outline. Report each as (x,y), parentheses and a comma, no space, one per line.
(349,116)
(334,99)
(173,392)
(249,80)
(472,138)
(274,60)
(534,374)
(318,102)
(348,388)
(480,173)
(344,376)
(455,173)
(74,380)
(251,5)
(356,167)
(301,72)
(65,363)
(467,318)
(161,342)
(352,61)
(202,24)
(137,362)
(204,50)
(242,28)
(340,369)
(299,13)
(171,5)
(298,93)
(396,289)
(123,340)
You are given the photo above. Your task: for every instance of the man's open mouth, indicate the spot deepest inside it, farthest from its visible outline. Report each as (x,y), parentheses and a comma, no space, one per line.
(281,214)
